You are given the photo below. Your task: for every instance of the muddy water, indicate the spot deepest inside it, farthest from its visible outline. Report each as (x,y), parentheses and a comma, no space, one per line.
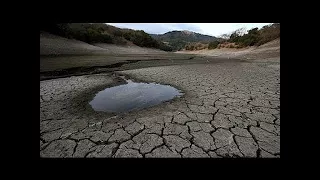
(133,96)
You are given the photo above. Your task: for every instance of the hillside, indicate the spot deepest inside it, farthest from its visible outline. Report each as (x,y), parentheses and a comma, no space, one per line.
(56,45)
(179,39)
(239,39)
(60,56)
(266,51)
(102,33)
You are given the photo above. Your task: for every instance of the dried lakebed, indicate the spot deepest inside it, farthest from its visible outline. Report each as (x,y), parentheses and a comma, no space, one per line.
(228,110)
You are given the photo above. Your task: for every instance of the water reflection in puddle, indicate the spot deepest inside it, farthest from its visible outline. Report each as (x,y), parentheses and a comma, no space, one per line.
(133,96)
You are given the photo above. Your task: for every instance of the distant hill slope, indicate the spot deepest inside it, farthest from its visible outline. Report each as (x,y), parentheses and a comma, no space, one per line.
(179,39)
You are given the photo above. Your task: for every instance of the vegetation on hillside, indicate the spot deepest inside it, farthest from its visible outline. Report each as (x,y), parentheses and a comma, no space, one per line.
(213,44)
(228,45)
(269,33)
(196,46)
(253,37)
(103,33)
(170,41)
(179,40)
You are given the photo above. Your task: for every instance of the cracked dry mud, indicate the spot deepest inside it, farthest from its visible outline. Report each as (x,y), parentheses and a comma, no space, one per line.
(228,110)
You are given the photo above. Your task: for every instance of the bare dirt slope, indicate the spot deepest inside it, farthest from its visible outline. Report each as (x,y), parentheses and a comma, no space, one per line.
(55,45)
(61,57)
(52,44)
(266,51)
(129,49)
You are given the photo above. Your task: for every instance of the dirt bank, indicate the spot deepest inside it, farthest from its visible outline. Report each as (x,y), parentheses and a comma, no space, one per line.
(55,45)
(266,51)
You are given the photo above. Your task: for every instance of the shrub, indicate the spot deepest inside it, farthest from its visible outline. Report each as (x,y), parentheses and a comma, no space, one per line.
(255,36)
(213,45)
(105,38)
(165,47)
(269,33)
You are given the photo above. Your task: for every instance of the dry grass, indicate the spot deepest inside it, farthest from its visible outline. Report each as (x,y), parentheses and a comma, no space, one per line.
(268,50)
(228,45)
(196,46)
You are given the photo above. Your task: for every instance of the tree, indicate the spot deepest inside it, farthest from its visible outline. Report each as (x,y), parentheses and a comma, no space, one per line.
(225,37)
(253,31)
(241,31)
(234,37)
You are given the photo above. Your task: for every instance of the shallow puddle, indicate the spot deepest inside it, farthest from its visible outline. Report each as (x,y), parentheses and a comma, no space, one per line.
(133,96)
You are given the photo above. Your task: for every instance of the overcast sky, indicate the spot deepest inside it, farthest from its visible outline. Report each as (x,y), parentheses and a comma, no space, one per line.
(213,29)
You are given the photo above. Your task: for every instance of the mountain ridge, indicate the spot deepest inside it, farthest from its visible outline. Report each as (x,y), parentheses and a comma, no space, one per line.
(179,39)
